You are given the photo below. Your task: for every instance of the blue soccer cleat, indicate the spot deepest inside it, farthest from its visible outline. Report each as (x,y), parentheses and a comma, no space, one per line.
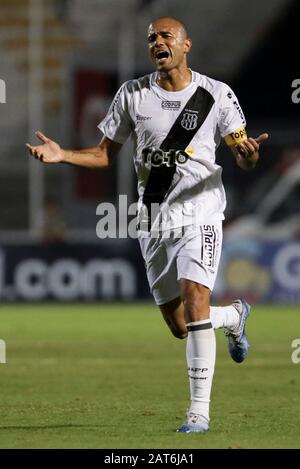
(237,340)
(195,424)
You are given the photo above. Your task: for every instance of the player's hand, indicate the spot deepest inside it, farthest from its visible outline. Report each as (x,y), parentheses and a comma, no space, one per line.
(247,152)
(48,152)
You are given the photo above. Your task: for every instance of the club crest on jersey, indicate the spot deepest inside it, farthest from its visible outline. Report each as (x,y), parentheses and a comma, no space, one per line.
(189,120)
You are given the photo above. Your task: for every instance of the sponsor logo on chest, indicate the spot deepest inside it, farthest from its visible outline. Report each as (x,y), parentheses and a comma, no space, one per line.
(140,118)
(171,105)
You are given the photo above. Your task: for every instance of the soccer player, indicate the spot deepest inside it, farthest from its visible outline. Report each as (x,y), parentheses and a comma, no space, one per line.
(177,118)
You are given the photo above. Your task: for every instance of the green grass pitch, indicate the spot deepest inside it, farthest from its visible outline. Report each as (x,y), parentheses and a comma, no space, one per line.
(112,376)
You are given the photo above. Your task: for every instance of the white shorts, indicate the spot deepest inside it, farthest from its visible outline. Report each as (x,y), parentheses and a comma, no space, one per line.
(194,256)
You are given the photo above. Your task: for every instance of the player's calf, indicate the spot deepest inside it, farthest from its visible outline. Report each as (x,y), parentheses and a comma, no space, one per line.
(196,298)
(173,314)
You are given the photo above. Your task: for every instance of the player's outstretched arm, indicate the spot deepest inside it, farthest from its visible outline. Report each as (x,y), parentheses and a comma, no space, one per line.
(96,157)
(247,152)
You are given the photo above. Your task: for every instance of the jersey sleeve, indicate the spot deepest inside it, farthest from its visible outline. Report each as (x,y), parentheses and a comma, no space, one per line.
(117,124)
(232,121)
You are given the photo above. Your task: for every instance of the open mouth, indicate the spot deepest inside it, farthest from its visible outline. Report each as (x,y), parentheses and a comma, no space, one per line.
(163,54)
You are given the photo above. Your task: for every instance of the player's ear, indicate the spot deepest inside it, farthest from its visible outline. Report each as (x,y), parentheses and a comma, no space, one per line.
(187,45)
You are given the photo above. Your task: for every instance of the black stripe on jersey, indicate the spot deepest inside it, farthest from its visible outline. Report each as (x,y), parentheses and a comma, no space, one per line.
(178,138)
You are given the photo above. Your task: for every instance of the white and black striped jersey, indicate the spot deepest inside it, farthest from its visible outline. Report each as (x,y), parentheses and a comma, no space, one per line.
(175,136)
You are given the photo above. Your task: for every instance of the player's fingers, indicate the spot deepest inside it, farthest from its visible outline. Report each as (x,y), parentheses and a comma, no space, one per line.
(30,148)
(42,137)
(251,148)
(241,149)
(254,143)
(261,138)
(36,153)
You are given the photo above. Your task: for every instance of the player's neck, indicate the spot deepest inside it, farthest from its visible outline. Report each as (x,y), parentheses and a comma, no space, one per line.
(175,79)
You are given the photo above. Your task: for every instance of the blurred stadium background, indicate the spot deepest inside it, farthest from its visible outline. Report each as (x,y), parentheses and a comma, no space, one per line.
(62,61)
